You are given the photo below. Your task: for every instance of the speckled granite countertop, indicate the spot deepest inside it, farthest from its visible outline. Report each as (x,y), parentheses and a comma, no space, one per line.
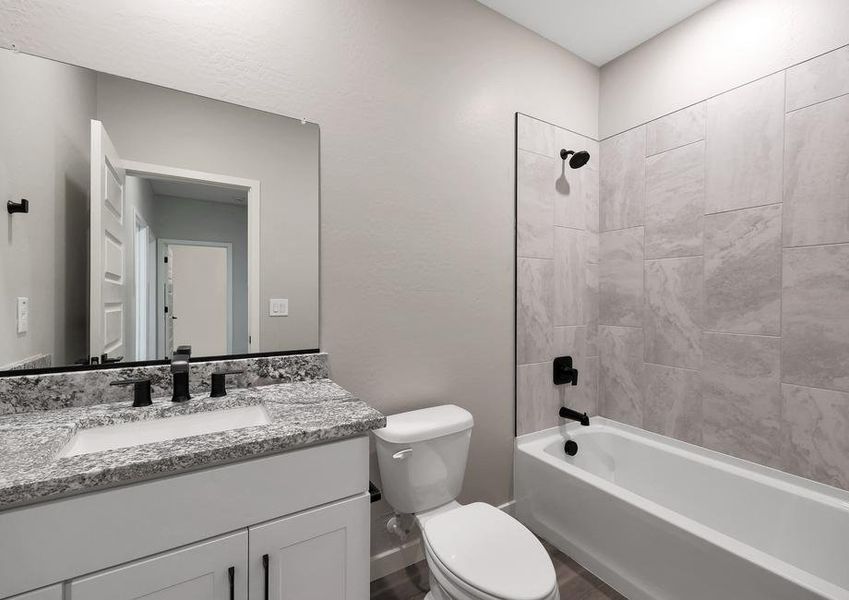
(301,413)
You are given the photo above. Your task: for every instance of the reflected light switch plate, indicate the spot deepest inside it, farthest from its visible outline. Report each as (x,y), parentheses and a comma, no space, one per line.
(278,307)
(23,314)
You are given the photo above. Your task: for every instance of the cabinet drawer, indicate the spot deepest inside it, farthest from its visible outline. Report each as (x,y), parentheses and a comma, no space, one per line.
(211,570)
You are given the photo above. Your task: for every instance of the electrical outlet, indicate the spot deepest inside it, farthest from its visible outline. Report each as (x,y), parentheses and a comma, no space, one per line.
(278,307)
(23,315)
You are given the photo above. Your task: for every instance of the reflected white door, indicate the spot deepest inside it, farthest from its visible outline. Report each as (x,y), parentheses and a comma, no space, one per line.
(200,298)
(169,303)
(108,302)
(141,252)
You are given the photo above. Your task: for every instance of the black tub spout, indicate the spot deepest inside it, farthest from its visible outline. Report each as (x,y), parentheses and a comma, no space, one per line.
(568,413)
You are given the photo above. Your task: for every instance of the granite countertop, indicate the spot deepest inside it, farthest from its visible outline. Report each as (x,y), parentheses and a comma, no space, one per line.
(301,413)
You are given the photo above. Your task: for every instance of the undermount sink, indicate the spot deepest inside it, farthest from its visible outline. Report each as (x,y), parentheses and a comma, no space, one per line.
(136,433)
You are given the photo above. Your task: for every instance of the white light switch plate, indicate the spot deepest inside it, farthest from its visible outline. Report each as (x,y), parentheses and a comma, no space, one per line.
(278,307)
(23,314)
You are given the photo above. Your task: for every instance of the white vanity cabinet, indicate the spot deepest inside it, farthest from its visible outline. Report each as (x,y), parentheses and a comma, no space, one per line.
(319,554)
(176,538)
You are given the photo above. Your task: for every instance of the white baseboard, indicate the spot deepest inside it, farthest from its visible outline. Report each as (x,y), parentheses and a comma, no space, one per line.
(395,559)
(411,552)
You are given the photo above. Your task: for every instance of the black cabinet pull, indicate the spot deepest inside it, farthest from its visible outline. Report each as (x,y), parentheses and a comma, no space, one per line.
(231,574)
(265,573)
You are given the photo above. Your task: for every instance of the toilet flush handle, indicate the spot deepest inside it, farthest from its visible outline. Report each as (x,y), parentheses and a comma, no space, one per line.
(402,454)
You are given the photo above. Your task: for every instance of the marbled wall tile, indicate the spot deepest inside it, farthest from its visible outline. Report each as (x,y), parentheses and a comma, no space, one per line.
(534,303)
(745,129)
(590,179)
(621,277)
(741,400)
(584,396)
(672,402)
(591,309)
(575,186)
(676,129)
(743,271)
(569,205)
(675,202)
(816,174)
(536,136)
(569,276)
(622,180)
(673,312)
(570,341)
(535,196)
(815,317)
(816,440)
(620,377)
(591,243)
(537,402)
(818,79)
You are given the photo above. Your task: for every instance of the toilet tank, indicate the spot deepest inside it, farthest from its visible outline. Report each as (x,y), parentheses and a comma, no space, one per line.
(422,456)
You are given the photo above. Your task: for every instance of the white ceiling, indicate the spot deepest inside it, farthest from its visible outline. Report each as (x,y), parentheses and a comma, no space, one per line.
(198,191)
(597,30)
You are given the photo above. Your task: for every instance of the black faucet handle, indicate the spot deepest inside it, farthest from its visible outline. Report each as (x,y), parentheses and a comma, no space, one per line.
(185,349)
(219,387)
(141,390)
(564,372)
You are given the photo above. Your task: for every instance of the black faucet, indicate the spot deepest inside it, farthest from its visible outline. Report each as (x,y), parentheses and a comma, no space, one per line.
(180,373)
(568,413)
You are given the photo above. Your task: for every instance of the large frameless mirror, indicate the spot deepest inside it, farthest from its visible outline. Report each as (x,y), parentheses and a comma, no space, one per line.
(141,218)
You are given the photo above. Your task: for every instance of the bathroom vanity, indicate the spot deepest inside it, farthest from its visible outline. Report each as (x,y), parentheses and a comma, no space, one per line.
(276,509)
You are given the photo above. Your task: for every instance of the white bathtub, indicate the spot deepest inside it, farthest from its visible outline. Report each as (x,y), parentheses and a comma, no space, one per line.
(659,519)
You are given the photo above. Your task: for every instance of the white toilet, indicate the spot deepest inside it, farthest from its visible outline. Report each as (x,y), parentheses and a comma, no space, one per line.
(476,551)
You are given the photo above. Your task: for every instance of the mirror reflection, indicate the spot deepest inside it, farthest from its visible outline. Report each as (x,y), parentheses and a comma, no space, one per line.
(141,218)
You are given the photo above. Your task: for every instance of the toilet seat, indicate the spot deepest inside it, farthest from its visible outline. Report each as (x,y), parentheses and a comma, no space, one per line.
(488,554)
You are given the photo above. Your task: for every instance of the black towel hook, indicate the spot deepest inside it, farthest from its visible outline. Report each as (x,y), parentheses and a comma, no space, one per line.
(18,207)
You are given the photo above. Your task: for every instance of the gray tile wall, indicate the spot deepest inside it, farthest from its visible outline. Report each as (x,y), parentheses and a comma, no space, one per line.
(557,273)
(723,310)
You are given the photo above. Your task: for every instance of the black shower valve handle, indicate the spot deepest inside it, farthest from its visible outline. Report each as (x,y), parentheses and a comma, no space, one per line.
(564,372)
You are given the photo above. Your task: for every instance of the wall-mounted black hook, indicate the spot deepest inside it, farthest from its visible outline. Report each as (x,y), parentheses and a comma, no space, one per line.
(18,207)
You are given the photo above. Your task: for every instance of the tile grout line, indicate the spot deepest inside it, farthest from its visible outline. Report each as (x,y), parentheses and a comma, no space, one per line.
(787,113)
(701,139)
(781,258)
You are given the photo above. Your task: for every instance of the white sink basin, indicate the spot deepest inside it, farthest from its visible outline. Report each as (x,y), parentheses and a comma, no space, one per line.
(126,435)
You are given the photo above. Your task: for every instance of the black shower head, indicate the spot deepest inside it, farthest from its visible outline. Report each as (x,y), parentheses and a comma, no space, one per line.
(579,158)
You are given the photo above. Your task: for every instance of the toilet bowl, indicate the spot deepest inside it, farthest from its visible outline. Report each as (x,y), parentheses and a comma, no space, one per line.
(478,552)
(474,551)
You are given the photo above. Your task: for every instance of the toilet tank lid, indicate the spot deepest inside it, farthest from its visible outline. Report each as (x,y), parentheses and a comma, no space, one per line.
(425,424)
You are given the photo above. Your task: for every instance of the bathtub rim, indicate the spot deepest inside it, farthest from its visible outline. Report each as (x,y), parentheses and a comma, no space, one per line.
(533,444)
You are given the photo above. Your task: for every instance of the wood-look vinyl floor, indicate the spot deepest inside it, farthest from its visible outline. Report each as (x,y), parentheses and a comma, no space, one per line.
(576,583)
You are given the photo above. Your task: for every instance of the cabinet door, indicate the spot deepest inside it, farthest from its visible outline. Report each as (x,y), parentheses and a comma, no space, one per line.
(54,592)
(319,554)
(198,572)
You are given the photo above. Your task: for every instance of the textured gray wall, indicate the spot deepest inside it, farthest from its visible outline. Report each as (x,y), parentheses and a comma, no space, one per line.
(45,109)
